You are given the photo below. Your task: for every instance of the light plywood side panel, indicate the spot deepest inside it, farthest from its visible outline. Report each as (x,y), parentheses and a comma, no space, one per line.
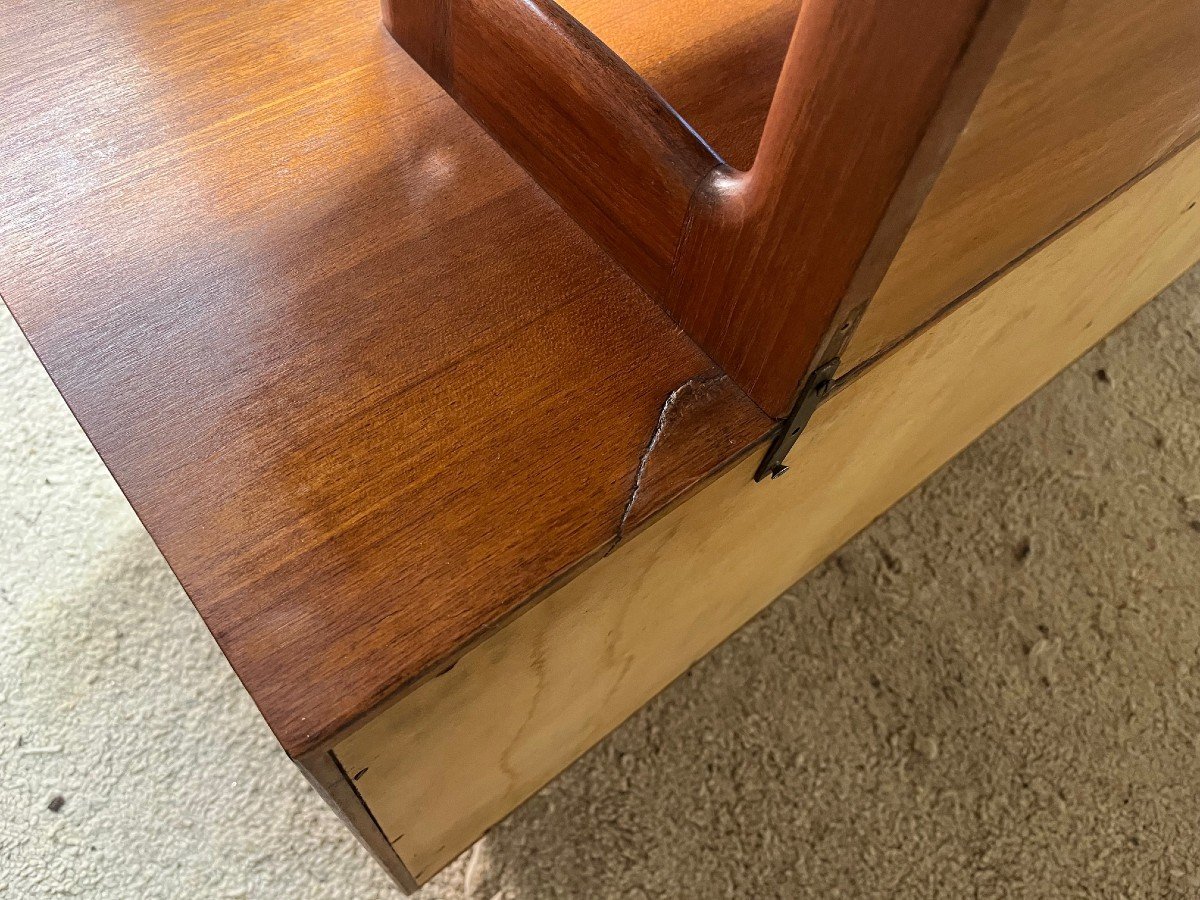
(461,751)
(1089,94)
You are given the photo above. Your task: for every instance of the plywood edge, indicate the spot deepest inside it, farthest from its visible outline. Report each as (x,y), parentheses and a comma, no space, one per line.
(460,752)
(335,787)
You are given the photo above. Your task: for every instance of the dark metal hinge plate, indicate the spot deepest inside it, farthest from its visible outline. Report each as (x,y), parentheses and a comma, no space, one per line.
(816,389)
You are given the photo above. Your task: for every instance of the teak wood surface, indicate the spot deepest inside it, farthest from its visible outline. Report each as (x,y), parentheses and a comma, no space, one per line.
(767,268)
(460,752)
(371,390)
(1089,94)
(367,387)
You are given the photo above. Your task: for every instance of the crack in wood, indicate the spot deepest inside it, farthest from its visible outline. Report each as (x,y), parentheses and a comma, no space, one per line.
(660,427)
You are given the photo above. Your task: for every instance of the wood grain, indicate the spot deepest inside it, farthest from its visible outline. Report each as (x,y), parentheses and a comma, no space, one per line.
(253,244)
(1089,94)
(870,101)
(422,27)
(716,61)
(336,788)
(593,134)
(460,752)
(754,265)
(367,387)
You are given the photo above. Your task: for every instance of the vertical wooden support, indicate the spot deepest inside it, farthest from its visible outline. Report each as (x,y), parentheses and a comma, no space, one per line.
(422,28)
(765,269)
(870,101)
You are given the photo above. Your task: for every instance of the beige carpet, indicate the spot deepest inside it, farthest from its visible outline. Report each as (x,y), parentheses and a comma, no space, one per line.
(994,691)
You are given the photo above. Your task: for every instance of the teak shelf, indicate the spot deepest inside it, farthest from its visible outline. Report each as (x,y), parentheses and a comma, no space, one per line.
(441,373)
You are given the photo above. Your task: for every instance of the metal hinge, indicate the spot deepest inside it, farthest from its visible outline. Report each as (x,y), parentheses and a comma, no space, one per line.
(816,389)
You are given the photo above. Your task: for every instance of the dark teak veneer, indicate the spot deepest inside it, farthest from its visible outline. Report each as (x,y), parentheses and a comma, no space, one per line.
(763,267)
(450,432)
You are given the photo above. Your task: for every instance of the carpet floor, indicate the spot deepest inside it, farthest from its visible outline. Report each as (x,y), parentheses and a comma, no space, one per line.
(993,691)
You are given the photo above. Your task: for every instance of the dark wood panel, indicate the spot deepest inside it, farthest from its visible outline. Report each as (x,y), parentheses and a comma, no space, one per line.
(869,103)
(590,130)
(1089,95)
(369,389)
(766,267)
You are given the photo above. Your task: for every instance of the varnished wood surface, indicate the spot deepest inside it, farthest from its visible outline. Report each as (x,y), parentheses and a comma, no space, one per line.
(870,101)
(592,133)
(716,61)
(761,267)
(1089,94)
(422,27)
(367,387)
(461,751)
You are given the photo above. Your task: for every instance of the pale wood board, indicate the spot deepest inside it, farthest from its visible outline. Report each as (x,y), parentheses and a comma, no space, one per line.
(1089,94)
(458,753)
